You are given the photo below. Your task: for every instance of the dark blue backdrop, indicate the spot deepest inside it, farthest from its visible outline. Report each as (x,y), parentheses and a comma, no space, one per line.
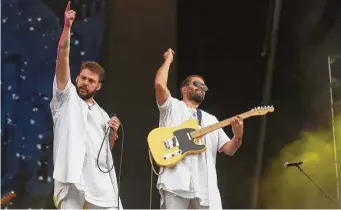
(29,38)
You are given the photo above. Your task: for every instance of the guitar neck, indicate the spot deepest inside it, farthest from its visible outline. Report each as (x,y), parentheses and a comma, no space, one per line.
(203,131)
(7,198)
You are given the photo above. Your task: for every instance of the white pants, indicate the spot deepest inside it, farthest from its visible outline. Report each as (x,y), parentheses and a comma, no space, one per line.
(75,200)
(173,201)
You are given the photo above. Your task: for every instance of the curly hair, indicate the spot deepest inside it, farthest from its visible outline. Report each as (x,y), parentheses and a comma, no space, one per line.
(94,67)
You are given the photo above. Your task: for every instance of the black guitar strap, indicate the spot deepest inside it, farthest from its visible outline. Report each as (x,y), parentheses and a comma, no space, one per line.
(199,114)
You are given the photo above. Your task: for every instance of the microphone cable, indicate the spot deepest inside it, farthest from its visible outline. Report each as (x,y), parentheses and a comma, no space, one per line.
(120,164)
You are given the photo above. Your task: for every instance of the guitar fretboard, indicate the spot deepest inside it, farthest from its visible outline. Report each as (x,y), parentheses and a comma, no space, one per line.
(200,132)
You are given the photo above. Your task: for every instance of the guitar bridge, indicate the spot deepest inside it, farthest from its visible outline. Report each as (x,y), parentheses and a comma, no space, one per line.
(169,155)
(171,143)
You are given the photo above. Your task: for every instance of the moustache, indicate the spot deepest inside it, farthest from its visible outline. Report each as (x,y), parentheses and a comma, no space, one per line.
(200,90)
(84,88)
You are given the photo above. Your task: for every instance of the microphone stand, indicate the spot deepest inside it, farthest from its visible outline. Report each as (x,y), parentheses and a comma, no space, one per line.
(327,196)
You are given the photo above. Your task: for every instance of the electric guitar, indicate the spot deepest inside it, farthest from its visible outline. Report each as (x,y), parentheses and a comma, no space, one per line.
(8,197)
(169,145)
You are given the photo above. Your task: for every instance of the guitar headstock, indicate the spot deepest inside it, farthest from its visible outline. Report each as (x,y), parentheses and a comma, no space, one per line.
(8,197)
(261,110)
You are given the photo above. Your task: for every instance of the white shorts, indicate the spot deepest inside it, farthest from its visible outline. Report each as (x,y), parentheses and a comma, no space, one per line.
(75,199)
(172,201)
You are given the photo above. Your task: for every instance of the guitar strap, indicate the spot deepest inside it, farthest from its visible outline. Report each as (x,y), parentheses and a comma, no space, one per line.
(199,114)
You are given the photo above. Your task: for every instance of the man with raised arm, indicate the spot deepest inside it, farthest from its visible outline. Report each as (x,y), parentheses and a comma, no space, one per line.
(192,182)
(84,134)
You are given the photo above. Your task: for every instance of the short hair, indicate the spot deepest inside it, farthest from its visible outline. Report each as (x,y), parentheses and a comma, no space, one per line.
(94,67)
(186,81)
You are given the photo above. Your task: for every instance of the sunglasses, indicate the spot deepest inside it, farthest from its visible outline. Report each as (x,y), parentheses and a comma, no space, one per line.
(200,85)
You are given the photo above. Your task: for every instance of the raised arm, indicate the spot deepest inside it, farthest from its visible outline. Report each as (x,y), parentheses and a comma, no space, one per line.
(63,52)
(161,78)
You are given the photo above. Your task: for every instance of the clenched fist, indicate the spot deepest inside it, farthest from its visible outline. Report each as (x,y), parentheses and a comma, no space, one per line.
(114,124)
(168,55)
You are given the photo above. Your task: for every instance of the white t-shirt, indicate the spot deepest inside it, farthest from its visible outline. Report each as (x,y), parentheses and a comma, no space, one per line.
(195,176)
(78,135)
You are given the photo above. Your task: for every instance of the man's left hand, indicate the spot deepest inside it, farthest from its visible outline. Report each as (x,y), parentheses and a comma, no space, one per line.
(237,127)
(114,124)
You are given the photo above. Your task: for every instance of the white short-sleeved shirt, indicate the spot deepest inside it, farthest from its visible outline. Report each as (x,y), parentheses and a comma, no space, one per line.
(195,176)
(78,135)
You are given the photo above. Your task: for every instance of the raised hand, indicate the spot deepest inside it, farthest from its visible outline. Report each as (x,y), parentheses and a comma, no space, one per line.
(69,15)
(168,55)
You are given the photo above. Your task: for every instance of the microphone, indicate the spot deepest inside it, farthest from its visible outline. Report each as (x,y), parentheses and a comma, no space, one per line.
(290,164)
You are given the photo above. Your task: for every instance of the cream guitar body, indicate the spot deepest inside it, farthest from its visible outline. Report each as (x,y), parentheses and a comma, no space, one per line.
(169,145)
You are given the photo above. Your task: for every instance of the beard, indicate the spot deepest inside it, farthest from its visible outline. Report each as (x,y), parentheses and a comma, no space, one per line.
(86,95)
(194,95)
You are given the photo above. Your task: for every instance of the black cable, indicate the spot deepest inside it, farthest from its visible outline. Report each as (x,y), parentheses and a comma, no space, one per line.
(106,133)
(119,170)
(120,166)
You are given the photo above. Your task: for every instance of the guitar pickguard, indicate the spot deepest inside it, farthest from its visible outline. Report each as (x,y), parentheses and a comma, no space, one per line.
(183,140)
(186,142)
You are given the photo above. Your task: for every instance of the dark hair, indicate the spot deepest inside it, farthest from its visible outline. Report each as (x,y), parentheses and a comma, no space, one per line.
(187,80)
(94,67)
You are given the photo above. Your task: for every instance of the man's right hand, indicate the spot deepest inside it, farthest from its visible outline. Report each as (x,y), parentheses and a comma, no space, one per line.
(69,15)
(168,55)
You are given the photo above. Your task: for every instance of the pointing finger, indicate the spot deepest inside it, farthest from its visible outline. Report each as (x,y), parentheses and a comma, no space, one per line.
(68,6)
